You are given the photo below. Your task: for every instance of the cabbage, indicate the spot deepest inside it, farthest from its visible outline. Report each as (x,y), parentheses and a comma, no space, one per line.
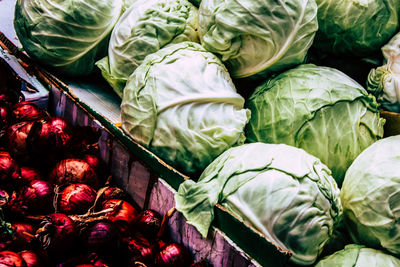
(371,196)
(359,256)
(182,105)
(355,27)
(258,36)
(284,192)
(144,28)
(67,35)
(384,81)
(319,109)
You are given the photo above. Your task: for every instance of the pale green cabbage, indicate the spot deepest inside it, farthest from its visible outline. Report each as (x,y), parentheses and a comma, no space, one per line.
(68,35)
(282,191)
(384,81)
(319,109)
(355,27)
(258,36)
(144,28)
(371,196)
(181,103)
(359,256)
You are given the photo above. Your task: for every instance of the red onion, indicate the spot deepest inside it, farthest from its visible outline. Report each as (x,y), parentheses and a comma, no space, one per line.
(110,192)
(31,258)
(12,259)
(173,254)
(69,171)
(57,235)
(102,237)
(9,98)
(85,265)
(201,263)
(148,222)
(4,117)
(140,250)
(76,199)
(93,258)
(4,197)
(49,140)
(122,213)
(22,239)
(85,139)
(35,198)
(29,174)
(17,141)
(27,111)
(9,170)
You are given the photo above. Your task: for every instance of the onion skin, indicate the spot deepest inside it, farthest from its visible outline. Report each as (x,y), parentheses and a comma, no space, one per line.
(92,259)
(122,213)
(12,259)
(70,171)
(148,222)
(173,254)
(17,141)
(103,238)
(31,258)
(76,199)
(4,117)
(57,235)
(22,239)
(139,249)
(201,263)
(34,199)
(9,170)
(27,111)
(110,192)
(29,174)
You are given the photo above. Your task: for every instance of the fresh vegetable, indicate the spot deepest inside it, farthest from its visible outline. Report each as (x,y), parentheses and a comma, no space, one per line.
(31,258)
(68,36)
(370,196)
(73,170)
(282,191)
(318,109)
(148,222)
(257,37)
(384,81)
(186,119)
(10,258)
(173,255)
(146,27)
(76,199)
(121,212)
(355,28)
(27,111)
(140,250)
(359,256)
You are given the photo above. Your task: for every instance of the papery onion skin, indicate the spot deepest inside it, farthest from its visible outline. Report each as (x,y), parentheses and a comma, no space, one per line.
(139,249)
(4,117)
(103,238)
(76,199)
(29,174)
(57,234)
(9,170)
(27,111)
(17,141)
(111,192)
(22,239)
(31,258)
(72,170)
(173,254)
(12,259)
(36,198)
(123,213)
(148,222)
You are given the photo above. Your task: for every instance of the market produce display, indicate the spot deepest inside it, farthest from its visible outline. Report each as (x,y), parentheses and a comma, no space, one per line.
(187,120)
(62,212)
(142,30)
(282,191)
(370,196)
(272,109)
(319,109)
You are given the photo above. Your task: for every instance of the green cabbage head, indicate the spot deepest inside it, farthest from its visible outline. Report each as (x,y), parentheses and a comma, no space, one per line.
(319,109)
(282,191)
(355,27)
(359,256)
(182,105)
(144,28)
(384,81)
(68,35)
(258,36)
(371,196)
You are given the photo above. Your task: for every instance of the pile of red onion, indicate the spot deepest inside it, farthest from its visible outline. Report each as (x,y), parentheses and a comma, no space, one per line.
(60,211)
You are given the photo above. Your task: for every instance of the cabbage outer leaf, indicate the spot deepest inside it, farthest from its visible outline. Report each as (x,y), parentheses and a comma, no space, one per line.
(181,103)
(319,109)
(68,35)
(258,36)
(146,27)
(371,196)
(284,192)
